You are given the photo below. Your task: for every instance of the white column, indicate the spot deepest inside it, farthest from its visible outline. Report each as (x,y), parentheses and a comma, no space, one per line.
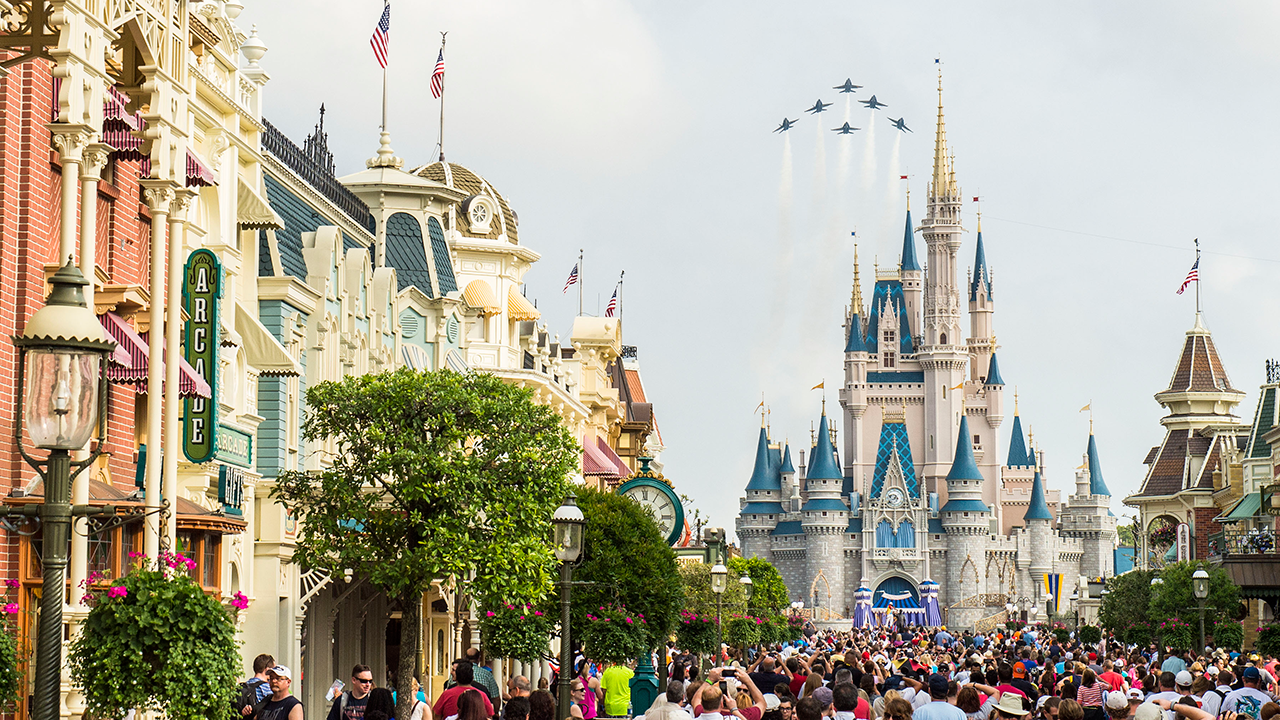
(172,354)
(159,195)
(70,140)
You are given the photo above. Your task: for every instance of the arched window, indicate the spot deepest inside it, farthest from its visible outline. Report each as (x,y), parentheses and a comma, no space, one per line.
(943,339)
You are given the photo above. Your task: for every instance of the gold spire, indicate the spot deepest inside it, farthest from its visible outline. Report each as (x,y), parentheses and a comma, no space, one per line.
(857,285)
(908,198)
(980,221)
(944,177)
(1015,399)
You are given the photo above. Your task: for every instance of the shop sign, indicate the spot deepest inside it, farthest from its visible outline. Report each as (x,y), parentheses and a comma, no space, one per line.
(231,489)
(201,291)
(234,446)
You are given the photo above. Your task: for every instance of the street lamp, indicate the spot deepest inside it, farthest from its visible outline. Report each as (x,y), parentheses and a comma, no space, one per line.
(719,581)
(1075,602)
(748,587)
(1200,588)
(62,367)
(568,523)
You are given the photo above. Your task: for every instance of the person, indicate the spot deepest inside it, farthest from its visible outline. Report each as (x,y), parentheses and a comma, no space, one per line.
(447,703)
(615,681)
(971,704)
(786,707)
(281,705)
(895,709)
(1092,695)
(1248,700)
(1069,709)
(517,708)
(812,682)
(350,705)
(1010,707)
(1112,678)
(798,668)
(542,706)
(420,710)
(807,709)
(668,706)
(577,697)
(1173,663)
(1164,689)
(848,704)
(593,695)
(703,698)
(473,705)
(767,675)
(1202,690)
(257,687)
(482,678)
(1118,707)
(380,705)
(939,708)
(517,686)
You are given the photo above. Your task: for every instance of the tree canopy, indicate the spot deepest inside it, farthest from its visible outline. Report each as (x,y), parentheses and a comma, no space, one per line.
(430,475)
(769,596)
(1133,608)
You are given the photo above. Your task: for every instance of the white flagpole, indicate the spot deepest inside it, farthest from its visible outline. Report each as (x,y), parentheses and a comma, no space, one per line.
(580,282)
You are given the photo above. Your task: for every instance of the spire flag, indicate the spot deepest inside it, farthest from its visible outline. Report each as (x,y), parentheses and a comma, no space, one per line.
(380,37)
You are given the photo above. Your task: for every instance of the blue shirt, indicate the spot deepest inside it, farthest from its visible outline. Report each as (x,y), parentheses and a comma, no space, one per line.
(1173,664)
(938,710)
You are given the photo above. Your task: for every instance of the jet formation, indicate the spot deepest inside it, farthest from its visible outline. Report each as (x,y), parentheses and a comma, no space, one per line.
(845,129)
(818,107)
(900,123)
(786,125)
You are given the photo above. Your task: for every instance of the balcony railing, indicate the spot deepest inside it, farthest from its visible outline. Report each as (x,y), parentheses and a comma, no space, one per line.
(1238,541)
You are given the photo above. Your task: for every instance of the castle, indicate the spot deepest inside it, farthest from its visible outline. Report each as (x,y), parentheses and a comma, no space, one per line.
(922,496)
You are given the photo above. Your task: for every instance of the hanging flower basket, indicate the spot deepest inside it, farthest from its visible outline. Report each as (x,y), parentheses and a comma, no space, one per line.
(696,633)
(614,634)
(1177,634)
(1163,536)
(743,630)
(515,631)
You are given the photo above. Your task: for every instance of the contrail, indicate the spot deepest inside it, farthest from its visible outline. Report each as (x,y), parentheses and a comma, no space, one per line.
(785,243)
(842,177)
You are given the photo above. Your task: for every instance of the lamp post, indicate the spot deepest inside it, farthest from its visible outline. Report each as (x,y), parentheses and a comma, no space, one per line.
(748,588)
(1200,588)
(1075,602)
(568,523)
(62,372)
(719,582)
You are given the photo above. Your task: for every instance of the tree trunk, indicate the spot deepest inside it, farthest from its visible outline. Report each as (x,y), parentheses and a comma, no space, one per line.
(410,636)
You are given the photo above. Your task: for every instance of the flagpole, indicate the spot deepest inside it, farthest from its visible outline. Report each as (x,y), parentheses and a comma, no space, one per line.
(1197,276)
(443,39)
(579,281)
(620,278)
(384,99)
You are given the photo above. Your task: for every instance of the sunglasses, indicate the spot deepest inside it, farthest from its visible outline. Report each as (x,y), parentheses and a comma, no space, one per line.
(363,681)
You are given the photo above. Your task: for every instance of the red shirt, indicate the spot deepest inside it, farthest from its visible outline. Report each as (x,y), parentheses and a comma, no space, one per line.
(797,682)
(1006,688)
(1113,679)
(447,703)
(863,710)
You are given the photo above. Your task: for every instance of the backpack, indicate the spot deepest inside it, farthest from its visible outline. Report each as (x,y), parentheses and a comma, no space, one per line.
(249,698)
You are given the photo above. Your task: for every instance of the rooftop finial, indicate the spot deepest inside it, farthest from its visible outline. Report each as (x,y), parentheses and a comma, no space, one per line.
(1015,399)
(857,284)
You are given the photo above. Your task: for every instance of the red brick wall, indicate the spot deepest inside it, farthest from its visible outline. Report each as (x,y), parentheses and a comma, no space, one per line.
(1203,528)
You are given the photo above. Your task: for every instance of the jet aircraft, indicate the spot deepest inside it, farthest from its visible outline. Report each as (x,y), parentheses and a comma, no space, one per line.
(847,87)
(873,103)
(900,123)
(786,125)
(845,129)
(818,107)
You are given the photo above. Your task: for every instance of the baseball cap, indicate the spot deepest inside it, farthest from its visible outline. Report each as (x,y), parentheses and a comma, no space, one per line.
(1135,694)
(823,696)
(1019,670)
(1116,701)
(938,685)
(280,670)
(1251,673)
(1070,656)
(1212,671)
(771,702)
(1148,711)
(1183,679)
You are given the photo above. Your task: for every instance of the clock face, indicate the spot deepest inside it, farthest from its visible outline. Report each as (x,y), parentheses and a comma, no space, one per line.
(661,502)
(894,497)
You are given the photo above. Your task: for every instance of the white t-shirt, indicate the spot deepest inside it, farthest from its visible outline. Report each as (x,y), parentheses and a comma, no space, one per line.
(1246,701)
(419,710)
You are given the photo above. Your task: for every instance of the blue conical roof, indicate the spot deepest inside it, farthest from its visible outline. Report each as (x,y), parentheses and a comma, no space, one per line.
(855,341)
(1018,455)
(765,475)
(787,467)
(909,261)
(822,465)
(981,273)
(1097,486)
(993,372)
(1037,509)
(963,466)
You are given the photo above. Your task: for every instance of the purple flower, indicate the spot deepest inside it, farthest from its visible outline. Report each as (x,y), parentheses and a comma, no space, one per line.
(11,608)
(117,591)
(489,614)
(239,601)
(13,582)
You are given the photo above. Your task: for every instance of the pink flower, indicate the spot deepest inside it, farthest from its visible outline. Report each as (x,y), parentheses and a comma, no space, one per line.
(489,614)
(521,617)
(117,591)
(239,601)
(629,622)
(12,582)
(11,608)
(136,555)
(538,613)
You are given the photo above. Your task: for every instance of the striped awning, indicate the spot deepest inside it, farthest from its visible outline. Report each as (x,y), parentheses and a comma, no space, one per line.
(253,212)
(519,307)
(198,174)
(454,360)
(479,295)
(415,357)
(600,459)
(190,384)
(115,114)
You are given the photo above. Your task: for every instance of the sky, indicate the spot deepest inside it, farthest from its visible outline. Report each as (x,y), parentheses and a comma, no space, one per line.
(1102,138)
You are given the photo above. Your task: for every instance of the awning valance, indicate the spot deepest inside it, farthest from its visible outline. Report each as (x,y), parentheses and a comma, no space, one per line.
(479,295)
(254,213)
(454,360)
(198,174)
(415,357)
(261,348)
(519,307)
(190,383)
(115,113)
(600,459)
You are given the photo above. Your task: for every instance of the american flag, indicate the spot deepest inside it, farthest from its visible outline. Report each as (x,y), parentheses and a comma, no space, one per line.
(613,305)
(379,39)
(573,280)
(1192,276)
(437,77)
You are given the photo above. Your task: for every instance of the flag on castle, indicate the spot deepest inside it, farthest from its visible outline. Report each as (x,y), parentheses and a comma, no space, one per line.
(613,304)
(380,34)
(573,279)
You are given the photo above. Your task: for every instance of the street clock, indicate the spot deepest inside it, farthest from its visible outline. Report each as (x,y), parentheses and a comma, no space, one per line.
(655,494)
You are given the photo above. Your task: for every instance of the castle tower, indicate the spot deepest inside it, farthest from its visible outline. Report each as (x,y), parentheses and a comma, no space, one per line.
(762,508)
(942,356)
(1088,516)
(790,488)
(1039,524)
(967,523)
(1016,475)
(981,340)
(853,395)
(912,275)
(824,518)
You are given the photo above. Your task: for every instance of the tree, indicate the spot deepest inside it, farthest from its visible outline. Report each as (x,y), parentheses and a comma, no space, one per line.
(1174,596)
(1125,607)
(433,475)
(769,596)
(626,561)
(1126,536)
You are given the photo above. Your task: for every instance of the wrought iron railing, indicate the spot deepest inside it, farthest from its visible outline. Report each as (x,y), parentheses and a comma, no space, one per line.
(1234,540)
(276,143)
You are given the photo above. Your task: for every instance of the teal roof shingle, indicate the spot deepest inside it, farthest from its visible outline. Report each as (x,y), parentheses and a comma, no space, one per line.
(963,467)
(973,506)
(762,508)
(1263,422)
(1037,508)
(981,273)
(788,527)
(299,218)
(1018,455)
(909,261)
(993,372)
(440,252)
(787,467)
(407,254)
(763,475)
(828,504)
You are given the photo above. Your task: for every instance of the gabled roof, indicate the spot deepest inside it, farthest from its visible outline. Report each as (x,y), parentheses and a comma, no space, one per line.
(763,475)
(963,467)
(888,291)
(1018,455)
(1097,486)
(787,467)
(1037,509)
(894,442)
(981,273)
(993,372)
(909,261)
(822,463)
(1199,368)
(1170,472)
(1263,421)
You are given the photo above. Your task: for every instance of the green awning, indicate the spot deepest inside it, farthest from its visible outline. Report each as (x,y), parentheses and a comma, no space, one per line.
(1249,507)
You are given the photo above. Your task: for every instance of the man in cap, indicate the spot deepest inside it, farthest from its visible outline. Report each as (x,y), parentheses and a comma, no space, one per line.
(826,699)
(1248,700)
(1182,682)
(1118,706)
(281,705)
(938,708)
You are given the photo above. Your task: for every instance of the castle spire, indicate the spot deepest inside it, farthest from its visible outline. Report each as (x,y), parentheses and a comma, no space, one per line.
(981,279)
(1097,486)
(909,261)
(857,285)
(1037,508)
(763,475)
(944,182)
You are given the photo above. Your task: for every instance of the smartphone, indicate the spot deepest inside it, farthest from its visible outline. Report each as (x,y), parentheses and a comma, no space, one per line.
(729,672)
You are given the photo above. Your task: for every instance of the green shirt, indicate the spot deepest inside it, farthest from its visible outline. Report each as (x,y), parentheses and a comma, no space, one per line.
(617,690)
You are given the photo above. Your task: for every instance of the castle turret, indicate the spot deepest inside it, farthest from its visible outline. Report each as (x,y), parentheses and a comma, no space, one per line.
(912,275)
(967,523)
(1039,524)
(824,518)
(1088,515)
(853,395)
(790,488)
(981,339)
(762,508)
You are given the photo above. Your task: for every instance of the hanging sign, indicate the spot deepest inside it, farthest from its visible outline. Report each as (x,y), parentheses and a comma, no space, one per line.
(231,489)
(201,290)
(1184,542)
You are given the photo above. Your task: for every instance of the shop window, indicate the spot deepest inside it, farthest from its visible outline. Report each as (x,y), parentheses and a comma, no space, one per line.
(210,561)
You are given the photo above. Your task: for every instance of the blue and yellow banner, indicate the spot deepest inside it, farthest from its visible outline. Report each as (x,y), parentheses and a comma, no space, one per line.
(1052,585)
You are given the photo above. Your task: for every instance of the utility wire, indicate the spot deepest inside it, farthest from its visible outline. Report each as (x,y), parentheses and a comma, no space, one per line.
(1128,240)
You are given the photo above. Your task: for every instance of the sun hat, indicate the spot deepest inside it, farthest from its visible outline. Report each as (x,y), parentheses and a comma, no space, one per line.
(771,702)
(1011,704)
